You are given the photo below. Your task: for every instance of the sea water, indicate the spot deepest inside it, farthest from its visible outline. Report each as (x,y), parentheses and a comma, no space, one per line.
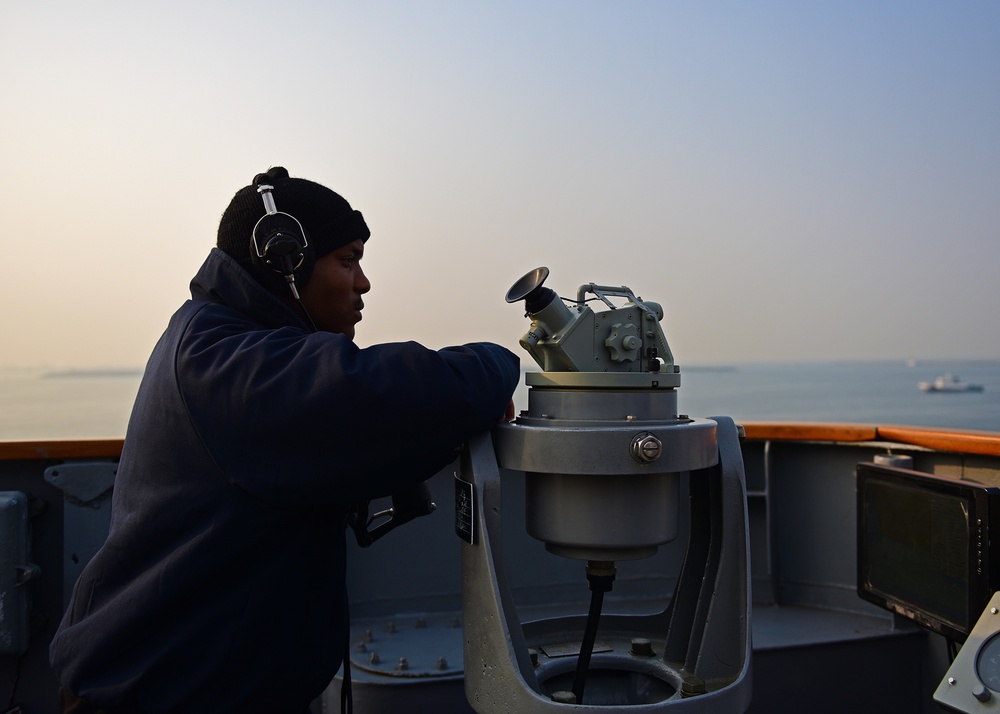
(66,405)
(83,405)
(856,392)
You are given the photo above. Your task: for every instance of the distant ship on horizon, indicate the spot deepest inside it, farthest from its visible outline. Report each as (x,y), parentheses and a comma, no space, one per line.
(948,383)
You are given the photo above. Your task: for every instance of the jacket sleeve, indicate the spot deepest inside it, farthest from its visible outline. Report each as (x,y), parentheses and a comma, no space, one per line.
(311,418)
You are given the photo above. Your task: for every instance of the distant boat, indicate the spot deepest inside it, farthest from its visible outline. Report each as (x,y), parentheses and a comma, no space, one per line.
(948,383)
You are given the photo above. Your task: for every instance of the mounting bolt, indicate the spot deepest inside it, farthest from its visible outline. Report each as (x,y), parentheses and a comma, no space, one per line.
(692,686)
(646,448)
(641,647)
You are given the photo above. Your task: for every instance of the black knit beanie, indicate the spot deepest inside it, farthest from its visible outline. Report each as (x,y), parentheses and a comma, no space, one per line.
(328,220)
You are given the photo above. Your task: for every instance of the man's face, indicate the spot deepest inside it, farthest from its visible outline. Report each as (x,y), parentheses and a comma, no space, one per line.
(333,294)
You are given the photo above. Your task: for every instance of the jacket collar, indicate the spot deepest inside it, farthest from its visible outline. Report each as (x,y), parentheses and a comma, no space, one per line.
(223,281)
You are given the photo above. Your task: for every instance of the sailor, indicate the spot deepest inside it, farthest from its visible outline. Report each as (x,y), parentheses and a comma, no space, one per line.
(258,422)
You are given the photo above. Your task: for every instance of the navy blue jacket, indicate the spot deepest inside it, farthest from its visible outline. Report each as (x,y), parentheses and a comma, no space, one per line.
(221,587)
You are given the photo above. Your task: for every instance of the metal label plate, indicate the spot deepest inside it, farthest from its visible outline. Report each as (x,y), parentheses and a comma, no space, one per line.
(465,510)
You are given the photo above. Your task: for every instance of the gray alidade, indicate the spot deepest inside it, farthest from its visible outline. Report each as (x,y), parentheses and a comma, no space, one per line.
(605,453)
(576,339)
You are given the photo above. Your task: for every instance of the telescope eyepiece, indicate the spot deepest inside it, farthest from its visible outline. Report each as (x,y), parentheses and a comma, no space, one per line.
(530,289)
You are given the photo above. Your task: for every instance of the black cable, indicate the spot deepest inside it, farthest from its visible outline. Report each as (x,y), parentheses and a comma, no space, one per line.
(587,646)
(305,312)
(346,695)
(601,575)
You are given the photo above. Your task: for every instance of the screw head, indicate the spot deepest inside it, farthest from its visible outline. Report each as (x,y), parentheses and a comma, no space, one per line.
(646,448)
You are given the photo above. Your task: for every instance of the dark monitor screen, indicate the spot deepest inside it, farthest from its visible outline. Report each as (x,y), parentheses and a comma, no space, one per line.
(924,546)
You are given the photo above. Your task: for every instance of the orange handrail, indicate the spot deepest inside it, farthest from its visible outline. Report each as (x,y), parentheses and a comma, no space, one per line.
(61,449)
(952,440)
(809,431)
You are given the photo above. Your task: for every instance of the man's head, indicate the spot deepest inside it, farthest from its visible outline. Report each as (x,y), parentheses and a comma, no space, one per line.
(333,295)
(335,233)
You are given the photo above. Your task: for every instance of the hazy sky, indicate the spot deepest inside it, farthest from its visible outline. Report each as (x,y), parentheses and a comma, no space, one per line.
(790,180)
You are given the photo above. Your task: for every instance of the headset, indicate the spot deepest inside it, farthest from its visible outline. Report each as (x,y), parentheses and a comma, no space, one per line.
(278,242)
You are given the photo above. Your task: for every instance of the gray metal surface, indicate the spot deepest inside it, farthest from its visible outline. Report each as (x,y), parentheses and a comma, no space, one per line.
(27,679)
(561,447)
(669,378)
(16,570)
(817,646)
(598,406)
(972,682)
(86,487)
(703,638)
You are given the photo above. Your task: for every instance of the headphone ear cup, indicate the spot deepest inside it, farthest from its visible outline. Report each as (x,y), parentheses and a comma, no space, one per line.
(283,254)
(278,247)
